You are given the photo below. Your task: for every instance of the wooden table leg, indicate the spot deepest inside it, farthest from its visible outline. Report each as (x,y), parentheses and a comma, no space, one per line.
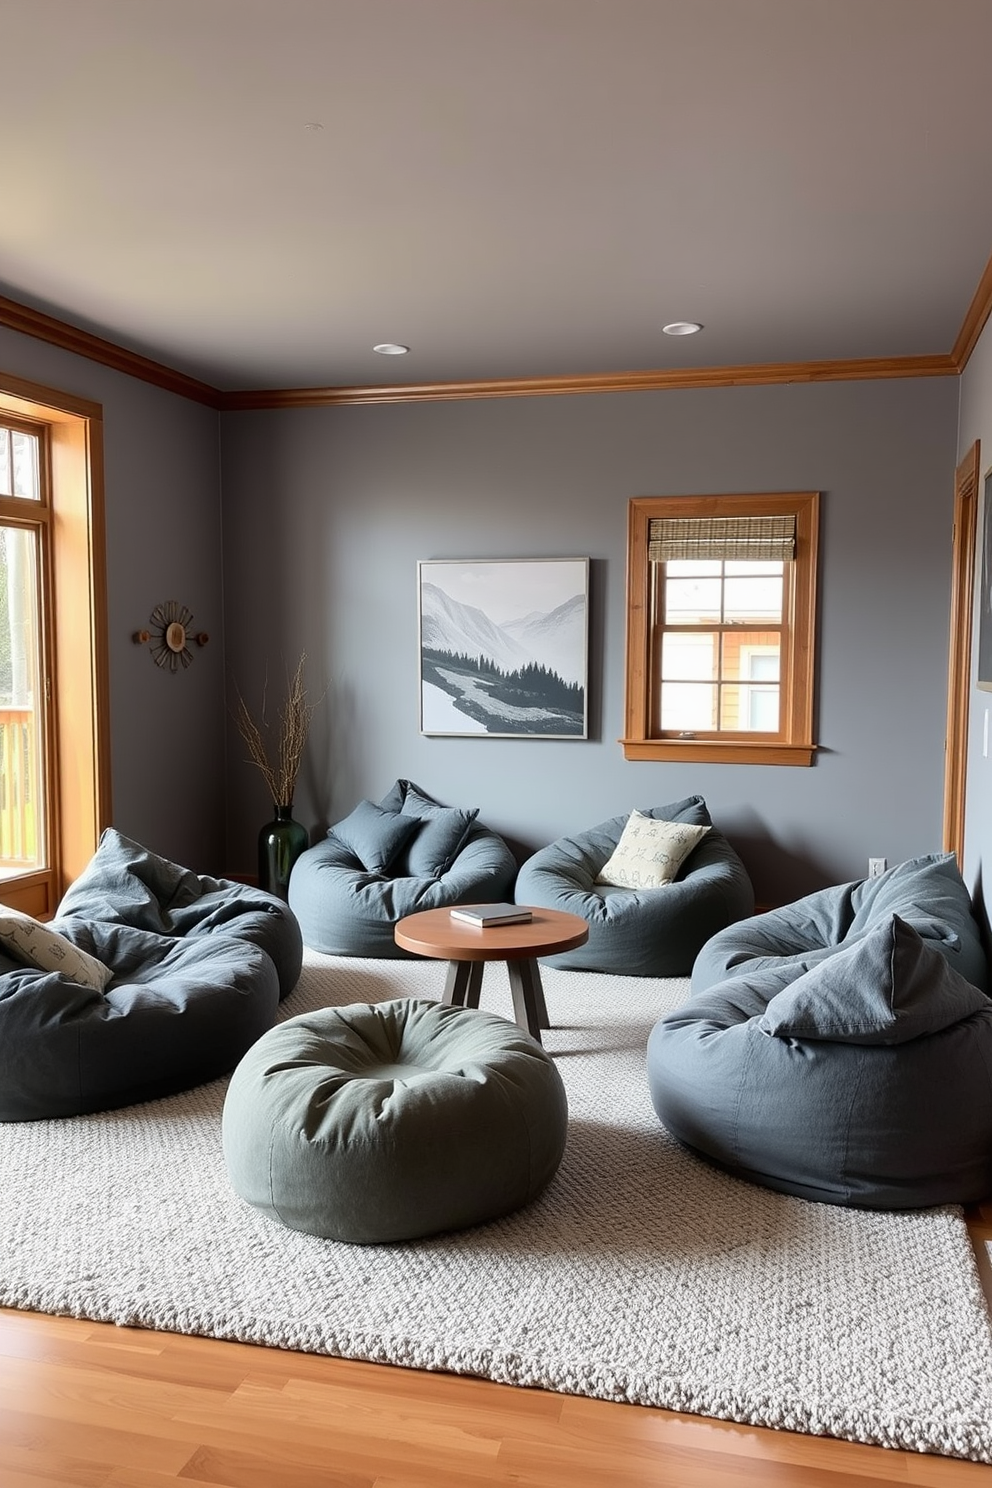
(463,983)
(457,983)
(474,988)
(529,1007)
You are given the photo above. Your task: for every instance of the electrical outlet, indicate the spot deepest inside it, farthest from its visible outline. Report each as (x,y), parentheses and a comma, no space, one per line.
(876,867)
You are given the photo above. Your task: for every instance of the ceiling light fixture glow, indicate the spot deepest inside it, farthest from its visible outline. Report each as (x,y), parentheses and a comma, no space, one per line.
(391,348)
(682,328)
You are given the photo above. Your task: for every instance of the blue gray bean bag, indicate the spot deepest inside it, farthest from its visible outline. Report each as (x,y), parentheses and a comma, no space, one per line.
(148,981)
(640,931)
(387,860)
(854,1072)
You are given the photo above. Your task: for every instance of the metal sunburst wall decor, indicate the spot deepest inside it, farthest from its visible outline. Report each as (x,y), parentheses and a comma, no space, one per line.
(171,635)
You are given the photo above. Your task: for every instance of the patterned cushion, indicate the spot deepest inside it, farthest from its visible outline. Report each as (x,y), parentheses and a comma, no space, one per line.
(36,945)
(650,852)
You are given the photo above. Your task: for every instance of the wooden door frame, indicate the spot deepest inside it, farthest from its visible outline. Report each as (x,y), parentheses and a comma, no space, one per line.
(959,657)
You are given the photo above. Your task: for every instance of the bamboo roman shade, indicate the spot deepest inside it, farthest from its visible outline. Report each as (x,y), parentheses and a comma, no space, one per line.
(749,539)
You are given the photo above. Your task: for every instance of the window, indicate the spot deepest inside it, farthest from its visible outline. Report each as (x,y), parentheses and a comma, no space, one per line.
(54,763)
(720,628)
(24,716)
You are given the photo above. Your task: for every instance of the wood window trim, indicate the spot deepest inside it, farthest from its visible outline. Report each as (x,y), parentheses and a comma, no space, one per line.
(79,763)
(966,488)
(796,746)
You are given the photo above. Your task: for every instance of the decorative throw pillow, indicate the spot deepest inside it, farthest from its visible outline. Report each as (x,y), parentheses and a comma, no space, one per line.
(35,944)
(650,852)
(375,836)
(888,987)
(440,838)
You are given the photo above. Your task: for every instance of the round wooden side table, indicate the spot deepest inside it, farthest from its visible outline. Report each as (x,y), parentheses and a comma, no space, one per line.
(467,948)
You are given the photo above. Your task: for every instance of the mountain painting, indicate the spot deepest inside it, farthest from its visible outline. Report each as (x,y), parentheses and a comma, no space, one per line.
(504,647)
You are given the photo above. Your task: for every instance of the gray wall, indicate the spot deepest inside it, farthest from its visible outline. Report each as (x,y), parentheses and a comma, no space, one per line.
(326,512)
(163,542)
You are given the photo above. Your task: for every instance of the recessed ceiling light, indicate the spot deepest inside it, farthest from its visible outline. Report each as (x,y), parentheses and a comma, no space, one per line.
(682,328)
(391,348)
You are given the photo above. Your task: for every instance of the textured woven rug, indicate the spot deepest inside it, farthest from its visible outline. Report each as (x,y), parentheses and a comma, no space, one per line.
(640,1275)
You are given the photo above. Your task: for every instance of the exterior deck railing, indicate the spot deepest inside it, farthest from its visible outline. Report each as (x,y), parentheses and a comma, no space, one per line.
(18,789)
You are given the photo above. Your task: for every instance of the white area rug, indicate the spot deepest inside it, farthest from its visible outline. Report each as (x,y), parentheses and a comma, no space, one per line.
(641,1275)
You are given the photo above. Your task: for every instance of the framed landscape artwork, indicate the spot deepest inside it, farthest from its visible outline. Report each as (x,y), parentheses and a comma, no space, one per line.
(504,646)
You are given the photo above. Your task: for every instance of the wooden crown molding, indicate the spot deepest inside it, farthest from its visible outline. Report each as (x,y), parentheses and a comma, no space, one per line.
(939,365)
(30,322)
(974,322)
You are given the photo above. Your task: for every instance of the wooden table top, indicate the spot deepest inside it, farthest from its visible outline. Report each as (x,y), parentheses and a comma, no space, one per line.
(433,932)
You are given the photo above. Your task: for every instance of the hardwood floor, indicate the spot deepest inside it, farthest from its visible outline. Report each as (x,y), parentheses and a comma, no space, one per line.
(89,1405)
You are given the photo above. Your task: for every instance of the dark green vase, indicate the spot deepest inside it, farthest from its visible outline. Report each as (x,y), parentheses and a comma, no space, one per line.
(279,845)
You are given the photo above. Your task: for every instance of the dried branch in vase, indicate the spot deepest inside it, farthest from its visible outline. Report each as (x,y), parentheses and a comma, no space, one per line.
(277,749)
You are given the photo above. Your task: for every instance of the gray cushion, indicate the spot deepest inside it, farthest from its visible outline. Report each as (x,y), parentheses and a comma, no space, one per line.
(127,884)
(388,1122)
(866,1080)
(374,836)
(884,988)
(927,892)
(439,837)
(650,932)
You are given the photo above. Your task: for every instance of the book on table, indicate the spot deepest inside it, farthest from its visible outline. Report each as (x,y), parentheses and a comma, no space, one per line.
(491,914)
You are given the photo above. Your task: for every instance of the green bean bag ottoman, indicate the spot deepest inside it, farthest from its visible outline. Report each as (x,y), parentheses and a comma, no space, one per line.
(392,1121)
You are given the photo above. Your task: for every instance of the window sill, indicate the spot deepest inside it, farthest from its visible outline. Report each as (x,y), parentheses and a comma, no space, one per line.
(717,752)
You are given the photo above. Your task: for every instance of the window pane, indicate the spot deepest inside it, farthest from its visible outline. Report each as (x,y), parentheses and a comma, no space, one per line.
(688,707)
(737,567)
(750,709)
(762,666)
(697,568)
(5,472)
(25,460)
(751,654)
(753,597)
(22,825)
(691,599)
(689,657)
(762,709)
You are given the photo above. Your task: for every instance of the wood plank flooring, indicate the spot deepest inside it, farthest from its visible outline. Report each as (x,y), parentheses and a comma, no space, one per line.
(89,1405)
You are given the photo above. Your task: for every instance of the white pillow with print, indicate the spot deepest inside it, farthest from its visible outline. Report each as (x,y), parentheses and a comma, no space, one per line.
(650,852)
(34,943)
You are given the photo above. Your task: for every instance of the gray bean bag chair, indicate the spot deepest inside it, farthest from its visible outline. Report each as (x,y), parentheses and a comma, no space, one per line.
(640,932)
(149,980)
(175,1013)
(865,1081)
(927,892)
(385,861)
